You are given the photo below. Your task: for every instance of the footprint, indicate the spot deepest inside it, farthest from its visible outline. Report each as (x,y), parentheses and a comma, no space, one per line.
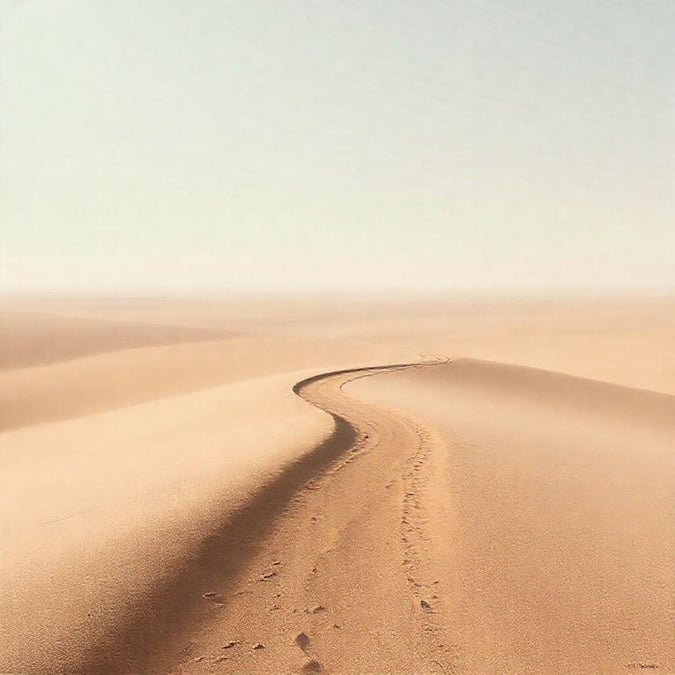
(302,640)
(311,666)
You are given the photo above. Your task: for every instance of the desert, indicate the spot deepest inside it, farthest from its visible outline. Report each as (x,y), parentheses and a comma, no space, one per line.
(406,503)
(337,336)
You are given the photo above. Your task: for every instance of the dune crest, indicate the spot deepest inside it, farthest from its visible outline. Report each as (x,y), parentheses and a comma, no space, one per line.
(280,501)
(121,508)
(553,534)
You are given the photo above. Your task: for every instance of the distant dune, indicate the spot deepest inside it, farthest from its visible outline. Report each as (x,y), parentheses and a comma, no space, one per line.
(28,339)
(92,384)
(294,484)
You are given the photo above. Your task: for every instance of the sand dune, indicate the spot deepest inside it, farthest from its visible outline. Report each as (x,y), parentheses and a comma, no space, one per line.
(92,384)
(30,339)
(467,529)
(553,536)
(119,467)
(622,340)
(169,500)
(112,507)
(341,571)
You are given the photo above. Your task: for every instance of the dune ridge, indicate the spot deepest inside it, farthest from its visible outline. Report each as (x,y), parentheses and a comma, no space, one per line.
(23,333)
(117,519)
(332,561)
(553,539)
(217,561)
(93,383)
(140,634)
(148,459)
(411,520)
(182,496)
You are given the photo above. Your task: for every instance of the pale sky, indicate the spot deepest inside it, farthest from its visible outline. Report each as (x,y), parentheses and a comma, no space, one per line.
(508,144)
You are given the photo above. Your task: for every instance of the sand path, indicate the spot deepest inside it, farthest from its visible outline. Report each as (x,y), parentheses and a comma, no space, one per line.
(346,562)
(479,518)
(551,516)
(177,497)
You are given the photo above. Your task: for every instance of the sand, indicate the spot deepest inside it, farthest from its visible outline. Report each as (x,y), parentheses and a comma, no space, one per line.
(197,485)
(553,539)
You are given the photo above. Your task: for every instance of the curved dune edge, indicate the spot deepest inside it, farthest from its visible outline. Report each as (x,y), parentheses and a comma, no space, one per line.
(552,540)
(360,494)
(222,558)
(130,513)
(117,588)
(93,384)
(352,563)
(411,550)
(217,561)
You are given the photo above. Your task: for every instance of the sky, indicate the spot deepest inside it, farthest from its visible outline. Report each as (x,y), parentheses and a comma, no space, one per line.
(337,144)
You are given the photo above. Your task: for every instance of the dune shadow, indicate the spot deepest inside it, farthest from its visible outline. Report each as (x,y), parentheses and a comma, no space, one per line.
(178,601)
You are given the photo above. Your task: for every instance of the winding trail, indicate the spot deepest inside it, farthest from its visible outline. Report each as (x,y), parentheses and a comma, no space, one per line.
(492,537)
(346,559)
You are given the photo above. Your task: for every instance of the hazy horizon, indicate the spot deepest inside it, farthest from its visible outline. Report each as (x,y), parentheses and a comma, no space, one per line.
(337,336)
(357,146)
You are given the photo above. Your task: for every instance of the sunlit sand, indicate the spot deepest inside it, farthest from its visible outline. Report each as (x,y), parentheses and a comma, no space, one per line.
(200,490)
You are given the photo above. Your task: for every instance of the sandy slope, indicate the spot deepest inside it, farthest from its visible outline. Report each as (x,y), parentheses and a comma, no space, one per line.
(111,510)
(165,493)
(30,339)
(119,468)
(530,511)
(345,562)
(551,516)
(624,340)
(92,384)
